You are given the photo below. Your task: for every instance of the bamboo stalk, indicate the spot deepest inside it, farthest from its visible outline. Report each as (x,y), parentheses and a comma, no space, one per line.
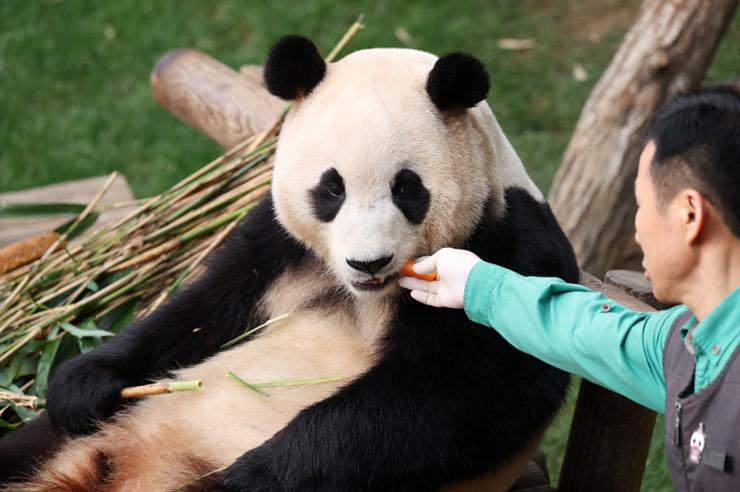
(192,266)
(20,400)
(244,335)
(148,255)
(161,388)
(222,201)
(61,239)
(351,33)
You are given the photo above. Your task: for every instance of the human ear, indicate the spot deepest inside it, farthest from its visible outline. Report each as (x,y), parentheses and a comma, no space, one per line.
(693,207)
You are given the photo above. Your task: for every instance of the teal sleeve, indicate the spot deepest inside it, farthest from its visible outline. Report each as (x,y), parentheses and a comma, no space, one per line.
(575,329)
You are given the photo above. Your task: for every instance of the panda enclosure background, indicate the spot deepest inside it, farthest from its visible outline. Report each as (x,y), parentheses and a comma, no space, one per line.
(75,99)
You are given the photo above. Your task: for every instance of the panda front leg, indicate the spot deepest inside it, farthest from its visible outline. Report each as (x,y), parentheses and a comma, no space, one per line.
(186,329)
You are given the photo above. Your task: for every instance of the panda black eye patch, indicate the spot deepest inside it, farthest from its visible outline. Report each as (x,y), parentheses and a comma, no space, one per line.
(410,195)
(327,196)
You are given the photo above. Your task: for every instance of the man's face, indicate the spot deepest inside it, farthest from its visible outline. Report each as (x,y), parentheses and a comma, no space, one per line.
(658,233)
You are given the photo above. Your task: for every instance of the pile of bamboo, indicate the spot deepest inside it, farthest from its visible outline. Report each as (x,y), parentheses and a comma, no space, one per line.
(134,263)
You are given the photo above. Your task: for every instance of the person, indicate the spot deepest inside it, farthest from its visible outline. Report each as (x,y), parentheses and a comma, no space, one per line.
(682,361)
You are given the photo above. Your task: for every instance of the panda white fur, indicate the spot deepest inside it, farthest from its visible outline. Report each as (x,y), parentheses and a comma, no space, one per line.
(387,154)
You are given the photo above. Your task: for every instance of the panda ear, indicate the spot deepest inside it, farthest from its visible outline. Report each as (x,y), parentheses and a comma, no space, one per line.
(457,81)
(293,68)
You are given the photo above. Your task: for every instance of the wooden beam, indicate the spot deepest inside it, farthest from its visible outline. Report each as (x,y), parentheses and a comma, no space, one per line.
(610,435)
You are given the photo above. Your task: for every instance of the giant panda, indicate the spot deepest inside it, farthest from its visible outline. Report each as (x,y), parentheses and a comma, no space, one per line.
(386,155)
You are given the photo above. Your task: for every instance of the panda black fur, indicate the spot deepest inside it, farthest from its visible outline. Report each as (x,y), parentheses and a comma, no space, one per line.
(429,399)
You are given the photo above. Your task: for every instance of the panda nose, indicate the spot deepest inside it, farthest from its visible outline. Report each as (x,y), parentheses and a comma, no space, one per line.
(370,267)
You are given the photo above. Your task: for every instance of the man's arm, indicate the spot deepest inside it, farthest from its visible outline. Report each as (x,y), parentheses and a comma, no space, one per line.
(566,325)
(575,329)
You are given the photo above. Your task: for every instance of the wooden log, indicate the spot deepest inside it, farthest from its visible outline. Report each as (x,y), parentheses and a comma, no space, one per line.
(666,53)
(213,98)
(636,285)
(609,435)
(79,191)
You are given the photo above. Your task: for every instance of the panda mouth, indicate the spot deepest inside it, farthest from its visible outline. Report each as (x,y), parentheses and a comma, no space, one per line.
(375,283)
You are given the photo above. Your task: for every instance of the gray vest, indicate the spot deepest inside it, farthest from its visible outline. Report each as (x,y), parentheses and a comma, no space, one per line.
(702,430)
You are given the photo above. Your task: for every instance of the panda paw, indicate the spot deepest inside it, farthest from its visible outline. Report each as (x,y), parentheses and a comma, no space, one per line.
(251,472)
(83,392)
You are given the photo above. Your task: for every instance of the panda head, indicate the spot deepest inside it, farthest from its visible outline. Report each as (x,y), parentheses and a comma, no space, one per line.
(385,156)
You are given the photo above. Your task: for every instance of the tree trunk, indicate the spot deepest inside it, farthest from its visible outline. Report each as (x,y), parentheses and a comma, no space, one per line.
(210,96)
(666,53)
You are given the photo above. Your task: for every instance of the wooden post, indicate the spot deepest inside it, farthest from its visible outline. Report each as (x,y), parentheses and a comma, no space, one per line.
(213,98)
(610,435)
(665,53)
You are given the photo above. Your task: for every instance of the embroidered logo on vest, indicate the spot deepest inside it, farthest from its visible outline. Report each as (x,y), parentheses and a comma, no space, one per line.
(697,444)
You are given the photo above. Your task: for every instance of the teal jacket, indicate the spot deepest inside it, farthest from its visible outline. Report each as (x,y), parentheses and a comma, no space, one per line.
(585,333)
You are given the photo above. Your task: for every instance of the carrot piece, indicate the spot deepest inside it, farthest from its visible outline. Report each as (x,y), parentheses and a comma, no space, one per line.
(408,270)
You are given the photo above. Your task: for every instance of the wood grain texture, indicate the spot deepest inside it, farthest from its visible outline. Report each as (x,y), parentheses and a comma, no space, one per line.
(666,53)
(636,285)
(213,98)
(609,435)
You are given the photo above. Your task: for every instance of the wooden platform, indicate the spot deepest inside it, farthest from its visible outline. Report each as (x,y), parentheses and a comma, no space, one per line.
(78,191)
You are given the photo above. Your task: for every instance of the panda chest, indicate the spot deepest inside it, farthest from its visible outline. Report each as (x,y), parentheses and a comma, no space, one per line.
(323,344)
(318,340)
(291,364)
(308,345)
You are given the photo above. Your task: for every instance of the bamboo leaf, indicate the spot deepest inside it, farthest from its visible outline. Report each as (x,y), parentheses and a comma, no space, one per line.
(8,210)
(8,375)
(24,413)
(245,384)
(87,344)
(110,278)
(84,332)
(28,368)
(120,317)
(299,382)
(44,367)
(8,426)
(68,349)
(49,277)
(78,229)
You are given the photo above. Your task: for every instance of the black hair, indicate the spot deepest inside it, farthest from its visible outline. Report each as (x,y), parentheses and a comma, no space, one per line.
(697,139)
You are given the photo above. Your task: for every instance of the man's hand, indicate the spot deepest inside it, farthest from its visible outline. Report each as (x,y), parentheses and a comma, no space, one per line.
(453,267)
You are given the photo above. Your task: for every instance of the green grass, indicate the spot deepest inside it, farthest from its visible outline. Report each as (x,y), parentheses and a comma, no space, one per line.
(75,98)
